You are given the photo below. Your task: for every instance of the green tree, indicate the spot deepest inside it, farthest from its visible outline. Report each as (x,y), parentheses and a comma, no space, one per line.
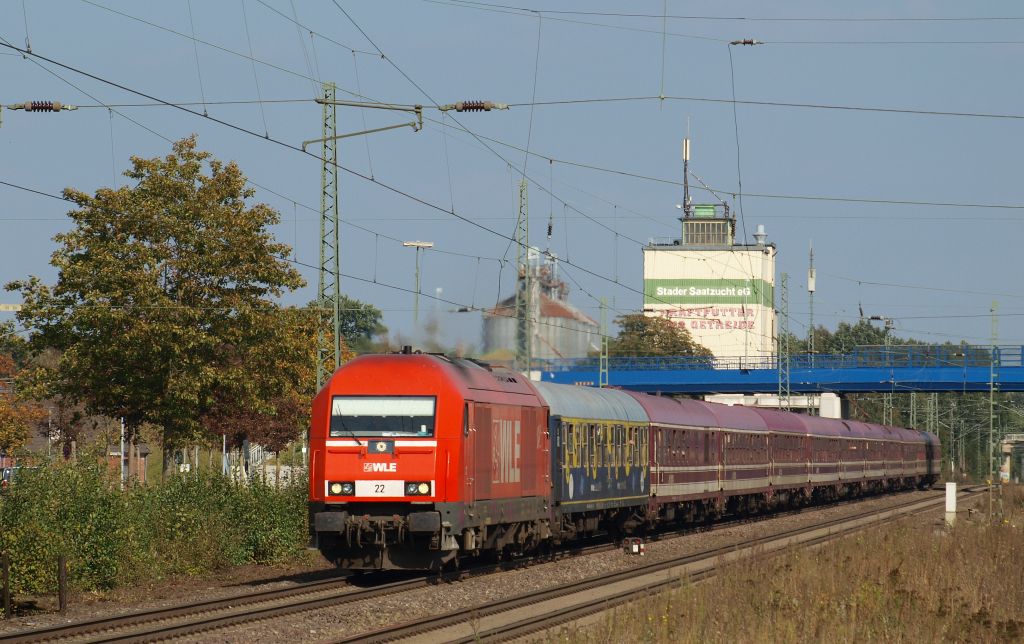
(643,335)
(163,286)
(360,323)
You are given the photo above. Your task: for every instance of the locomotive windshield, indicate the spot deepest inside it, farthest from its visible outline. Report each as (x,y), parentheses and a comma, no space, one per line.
(382,416)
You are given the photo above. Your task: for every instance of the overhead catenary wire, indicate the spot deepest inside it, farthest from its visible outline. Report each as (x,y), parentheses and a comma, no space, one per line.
(302,46)
(195,49)
(559,16)
(618,14)
(227,50)
(627,173)
(570,101)
(730,191)
(24,15)
(255,76)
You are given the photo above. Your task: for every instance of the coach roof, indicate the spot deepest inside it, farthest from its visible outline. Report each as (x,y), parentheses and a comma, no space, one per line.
(589,402)
(666,411)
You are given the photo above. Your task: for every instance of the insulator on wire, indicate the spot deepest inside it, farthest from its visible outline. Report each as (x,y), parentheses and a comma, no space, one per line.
(473,106)
(42,106)
(550,228)
(476,106)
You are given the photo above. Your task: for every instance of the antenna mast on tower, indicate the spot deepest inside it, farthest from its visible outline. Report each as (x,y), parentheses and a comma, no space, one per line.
(686,177)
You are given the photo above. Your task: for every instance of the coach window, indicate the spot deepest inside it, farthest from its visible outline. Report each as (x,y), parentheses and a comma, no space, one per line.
(592,446)
(577,446)
(584,446)
(566,445)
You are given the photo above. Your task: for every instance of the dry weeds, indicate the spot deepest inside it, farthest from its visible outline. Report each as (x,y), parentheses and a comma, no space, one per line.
(901,582)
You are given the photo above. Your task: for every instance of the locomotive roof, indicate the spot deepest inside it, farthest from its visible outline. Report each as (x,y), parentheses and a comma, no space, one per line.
(382,372)
(590,402)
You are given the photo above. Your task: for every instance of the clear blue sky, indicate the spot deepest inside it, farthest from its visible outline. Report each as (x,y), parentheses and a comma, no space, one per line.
(949,262)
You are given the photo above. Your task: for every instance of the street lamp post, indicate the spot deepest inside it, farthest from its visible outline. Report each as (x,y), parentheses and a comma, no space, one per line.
(418,245)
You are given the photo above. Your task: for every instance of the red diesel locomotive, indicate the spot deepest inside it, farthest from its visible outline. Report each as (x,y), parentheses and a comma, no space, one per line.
(419,459)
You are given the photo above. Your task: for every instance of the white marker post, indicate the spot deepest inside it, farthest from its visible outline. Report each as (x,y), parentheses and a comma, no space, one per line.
(950,504)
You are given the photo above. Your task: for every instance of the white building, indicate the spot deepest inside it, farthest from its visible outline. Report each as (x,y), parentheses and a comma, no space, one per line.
(722,292)
(560,330)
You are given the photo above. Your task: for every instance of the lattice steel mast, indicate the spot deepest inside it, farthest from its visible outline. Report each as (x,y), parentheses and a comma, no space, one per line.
(524,287)
(329,282)
(783,350)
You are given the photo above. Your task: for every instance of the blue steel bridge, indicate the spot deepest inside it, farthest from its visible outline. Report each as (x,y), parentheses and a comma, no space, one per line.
(894,369)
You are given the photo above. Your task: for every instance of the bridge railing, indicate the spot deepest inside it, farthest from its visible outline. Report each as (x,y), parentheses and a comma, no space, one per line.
(896,356)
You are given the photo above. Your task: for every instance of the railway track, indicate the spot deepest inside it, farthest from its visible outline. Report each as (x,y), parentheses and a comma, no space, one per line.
(199,617)
(190,619)
(531,613)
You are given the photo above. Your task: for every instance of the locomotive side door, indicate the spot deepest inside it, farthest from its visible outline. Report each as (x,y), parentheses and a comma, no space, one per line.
(468,453)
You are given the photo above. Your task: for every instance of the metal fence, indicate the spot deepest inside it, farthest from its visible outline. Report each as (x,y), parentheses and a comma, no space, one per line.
(896,356)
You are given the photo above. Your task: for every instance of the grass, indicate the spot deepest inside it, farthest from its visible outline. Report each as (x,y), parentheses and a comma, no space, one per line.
(903,582)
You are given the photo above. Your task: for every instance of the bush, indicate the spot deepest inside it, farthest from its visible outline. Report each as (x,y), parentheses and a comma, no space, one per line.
(113,537)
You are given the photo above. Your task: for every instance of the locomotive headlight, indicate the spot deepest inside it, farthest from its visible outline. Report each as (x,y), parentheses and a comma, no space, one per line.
(341,488)
(417,488)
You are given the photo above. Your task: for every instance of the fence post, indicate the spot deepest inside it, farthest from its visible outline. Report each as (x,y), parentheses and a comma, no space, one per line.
(62,583)
(5,585)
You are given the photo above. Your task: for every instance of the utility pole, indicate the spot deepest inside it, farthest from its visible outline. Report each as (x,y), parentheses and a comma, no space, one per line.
(810,299)
(524,286)
(783,350)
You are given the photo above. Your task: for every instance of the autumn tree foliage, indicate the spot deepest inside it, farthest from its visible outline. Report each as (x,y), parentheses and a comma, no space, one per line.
(643,335)
(17,417)
(164,310)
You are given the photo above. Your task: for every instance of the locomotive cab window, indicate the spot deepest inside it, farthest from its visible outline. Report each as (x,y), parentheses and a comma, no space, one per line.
(382,416)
